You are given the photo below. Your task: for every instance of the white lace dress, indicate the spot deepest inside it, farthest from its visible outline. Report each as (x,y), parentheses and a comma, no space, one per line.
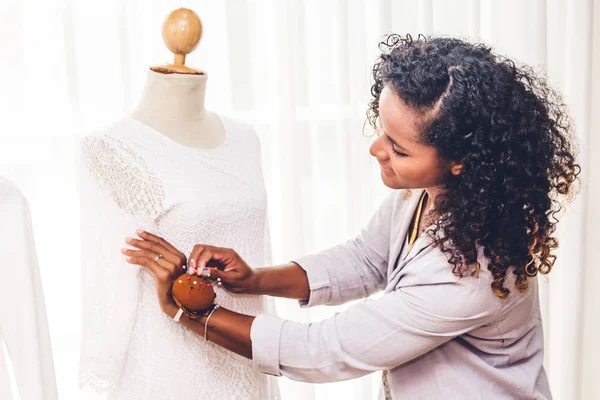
(133,177)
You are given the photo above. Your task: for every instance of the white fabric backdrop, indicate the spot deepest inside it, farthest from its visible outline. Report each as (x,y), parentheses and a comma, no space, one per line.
(300,72)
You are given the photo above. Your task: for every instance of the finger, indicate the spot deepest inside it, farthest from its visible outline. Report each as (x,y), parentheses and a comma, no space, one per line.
(148,245)
(211,264)
(204,257)
(206,272)
(154,247)
(159,272)
(194,255)
(228,280)
(156,239)
(216,276)
(200,256)
(169,266)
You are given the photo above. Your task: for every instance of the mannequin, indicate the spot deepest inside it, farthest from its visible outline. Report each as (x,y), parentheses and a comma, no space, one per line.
(173,99)
(152,171)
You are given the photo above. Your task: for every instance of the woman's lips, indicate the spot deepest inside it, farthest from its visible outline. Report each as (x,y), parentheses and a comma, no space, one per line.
(386,171)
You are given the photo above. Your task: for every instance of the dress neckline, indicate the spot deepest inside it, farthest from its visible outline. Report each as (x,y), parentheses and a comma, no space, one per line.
(164,138)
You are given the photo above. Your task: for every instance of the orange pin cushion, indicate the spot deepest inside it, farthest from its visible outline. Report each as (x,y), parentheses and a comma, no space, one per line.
(193,293)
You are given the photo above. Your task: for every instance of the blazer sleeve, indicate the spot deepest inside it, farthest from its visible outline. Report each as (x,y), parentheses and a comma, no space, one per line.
(373,335)
(355,269)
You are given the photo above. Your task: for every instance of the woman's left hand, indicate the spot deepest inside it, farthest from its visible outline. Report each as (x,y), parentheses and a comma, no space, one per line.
(162,259)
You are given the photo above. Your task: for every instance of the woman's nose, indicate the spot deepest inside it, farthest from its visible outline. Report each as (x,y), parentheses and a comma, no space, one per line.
(377,149)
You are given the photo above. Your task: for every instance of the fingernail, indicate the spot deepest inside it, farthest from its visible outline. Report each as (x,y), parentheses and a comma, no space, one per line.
(192,270)
(128,259)
(129,240)
(139,231)
(124,251)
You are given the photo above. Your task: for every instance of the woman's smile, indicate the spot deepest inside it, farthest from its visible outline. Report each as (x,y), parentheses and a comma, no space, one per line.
(386,171)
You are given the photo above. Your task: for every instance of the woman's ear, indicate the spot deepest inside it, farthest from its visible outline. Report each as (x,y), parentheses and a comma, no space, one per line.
(456,168)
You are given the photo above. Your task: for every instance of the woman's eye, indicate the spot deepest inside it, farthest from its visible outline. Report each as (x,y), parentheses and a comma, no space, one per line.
(398,153)
(394,149)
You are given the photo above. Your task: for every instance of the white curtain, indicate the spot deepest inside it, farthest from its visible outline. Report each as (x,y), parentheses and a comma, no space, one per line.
(299,71)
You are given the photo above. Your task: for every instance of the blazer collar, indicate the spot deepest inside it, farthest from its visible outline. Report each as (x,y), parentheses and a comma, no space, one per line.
(401,224)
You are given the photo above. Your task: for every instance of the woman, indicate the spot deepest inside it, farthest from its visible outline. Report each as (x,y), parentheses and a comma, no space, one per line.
(487,146)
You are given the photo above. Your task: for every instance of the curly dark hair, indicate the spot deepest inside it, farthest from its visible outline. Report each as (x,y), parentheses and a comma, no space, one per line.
(511,132)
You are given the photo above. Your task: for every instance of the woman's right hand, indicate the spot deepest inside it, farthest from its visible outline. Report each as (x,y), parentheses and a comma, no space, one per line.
(225,264)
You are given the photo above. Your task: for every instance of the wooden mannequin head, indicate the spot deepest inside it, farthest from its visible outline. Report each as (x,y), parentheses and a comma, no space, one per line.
(181,32)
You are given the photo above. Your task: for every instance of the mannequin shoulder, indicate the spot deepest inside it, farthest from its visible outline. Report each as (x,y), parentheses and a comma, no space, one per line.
(108,162)
(111,135)
(240,131)
(111,146)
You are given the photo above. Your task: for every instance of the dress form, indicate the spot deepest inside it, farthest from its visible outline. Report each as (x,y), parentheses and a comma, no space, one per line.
(151,171)
(172,102)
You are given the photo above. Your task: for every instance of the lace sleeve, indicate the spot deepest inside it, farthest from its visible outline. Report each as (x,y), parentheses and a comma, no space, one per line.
(119,194)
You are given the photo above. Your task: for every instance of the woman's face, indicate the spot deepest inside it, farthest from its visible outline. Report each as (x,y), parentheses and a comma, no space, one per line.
(405,163)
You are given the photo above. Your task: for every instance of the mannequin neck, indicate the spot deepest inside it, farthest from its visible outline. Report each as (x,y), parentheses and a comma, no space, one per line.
(173,104)
(178,97)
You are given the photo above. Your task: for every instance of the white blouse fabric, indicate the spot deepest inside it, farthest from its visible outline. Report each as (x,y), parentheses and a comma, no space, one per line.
(133,177)
(23,321)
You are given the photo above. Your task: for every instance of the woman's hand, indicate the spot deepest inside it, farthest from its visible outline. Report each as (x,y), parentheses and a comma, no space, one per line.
(224,264)
(162,259)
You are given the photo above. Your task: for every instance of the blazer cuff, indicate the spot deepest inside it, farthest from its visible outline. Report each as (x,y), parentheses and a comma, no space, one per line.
(319,281)
(265,335)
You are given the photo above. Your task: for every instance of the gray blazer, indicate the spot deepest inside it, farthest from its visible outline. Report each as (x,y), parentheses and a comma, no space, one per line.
(433,334)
